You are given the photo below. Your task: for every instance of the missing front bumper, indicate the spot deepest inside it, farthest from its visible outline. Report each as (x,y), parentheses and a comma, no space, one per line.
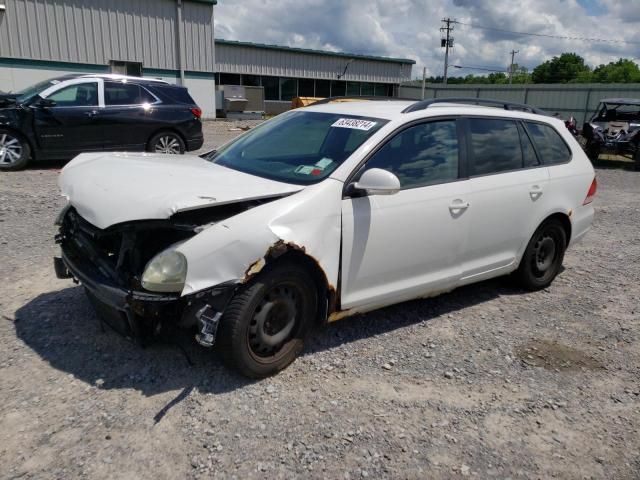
(138,314)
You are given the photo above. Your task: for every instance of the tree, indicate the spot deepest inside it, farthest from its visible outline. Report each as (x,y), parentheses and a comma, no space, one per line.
(622,71)
(562,69)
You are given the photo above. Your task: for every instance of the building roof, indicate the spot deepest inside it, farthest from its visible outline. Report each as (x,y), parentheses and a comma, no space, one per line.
(220,41)
(621,101)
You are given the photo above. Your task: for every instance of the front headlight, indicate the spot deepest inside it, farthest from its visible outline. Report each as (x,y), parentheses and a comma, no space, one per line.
(166,272)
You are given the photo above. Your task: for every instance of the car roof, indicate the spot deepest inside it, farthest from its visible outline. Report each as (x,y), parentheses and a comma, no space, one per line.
(393,109)
(113,76)
(621,101)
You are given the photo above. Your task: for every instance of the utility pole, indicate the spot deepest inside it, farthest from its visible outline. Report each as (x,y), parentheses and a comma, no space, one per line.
(513,53)
(446,42)
(424,79)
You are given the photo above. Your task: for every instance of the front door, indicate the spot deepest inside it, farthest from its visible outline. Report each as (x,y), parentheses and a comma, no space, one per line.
(69,126)
(407,245)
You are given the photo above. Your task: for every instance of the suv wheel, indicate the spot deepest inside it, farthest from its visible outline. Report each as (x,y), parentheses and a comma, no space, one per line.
(14,151)
(263,329)
(542,260)
(592,150)
(167,142)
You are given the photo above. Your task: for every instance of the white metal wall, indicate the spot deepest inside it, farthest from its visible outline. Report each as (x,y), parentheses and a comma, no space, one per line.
(96,31)
(289,63)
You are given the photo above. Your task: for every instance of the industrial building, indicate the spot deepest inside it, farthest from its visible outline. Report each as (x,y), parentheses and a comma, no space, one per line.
(174,40)
(286,72)
(168,39)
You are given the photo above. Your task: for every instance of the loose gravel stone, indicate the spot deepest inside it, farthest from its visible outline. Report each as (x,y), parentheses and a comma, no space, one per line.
(546,383)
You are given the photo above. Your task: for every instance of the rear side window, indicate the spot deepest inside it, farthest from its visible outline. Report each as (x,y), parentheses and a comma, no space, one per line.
(174,94)
(548,143)
(117,93)
(528,153)
(495,145)
(421,155)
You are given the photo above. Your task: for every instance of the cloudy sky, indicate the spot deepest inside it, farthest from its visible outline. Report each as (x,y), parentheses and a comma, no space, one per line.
(410,28)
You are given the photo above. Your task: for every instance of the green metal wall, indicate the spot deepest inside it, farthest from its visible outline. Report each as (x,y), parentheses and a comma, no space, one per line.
(579,100)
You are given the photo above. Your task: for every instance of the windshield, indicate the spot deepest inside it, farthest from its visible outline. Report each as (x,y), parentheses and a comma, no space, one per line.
(618,112)
(297,147)
(28,93)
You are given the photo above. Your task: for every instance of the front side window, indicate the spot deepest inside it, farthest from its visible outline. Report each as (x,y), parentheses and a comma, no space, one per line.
(78,95)
(421,155)
(495,145)
(549,145)
(298,147)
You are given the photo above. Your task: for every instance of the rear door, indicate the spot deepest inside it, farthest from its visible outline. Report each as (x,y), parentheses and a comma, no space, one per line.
(69,127)
(401,246)
(507,185)
(129,116)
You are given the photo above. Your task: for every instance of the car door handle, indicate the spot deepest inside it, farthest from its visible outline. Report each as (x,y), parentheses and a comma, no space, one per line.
(92,113)
(458,205)
(535,192)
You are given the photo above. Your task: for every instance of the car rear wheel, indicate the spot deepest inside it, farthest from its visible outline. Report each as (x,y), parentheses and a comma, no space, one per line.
(263,329)
(167,142)
(14,151)
(542,259)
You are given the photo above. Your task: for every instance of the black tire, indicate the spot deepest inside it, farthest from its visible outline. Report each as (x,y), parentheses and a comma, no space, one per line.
(15,151)
(542,259)
(247,338)
(593,151)
(166,142)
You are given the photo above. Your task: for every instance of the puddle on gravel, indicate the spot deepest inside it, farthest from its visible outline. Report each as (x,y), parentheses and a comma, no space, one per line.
(553,355)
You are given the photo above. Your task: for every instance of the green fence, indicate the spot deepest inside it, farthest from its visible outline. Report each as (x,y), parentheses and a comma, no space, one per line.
(579,100)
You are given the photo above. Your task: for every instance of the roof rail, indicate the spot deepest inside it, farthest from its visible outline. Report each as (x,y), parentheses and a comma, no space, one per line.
(423,104)
(358,97)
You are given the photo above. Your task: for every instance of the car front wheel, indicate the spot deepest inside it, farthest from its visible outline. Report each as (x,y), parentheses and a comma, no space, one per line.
(263,329)
(542,259)
(14,151)
(166,142)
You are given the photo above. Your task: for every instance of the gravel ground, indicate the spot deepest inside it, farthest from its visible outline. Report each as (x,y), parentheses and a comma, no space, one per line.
(486,381)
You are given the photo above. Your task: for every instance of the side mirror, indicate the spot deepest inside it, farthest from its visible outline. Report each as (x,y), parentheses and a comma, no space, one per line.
(377,181)
(46,103)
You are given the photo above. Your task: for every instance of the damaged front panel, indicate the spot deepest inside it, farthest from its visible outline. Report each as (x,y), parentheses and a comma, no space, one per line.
(239,247)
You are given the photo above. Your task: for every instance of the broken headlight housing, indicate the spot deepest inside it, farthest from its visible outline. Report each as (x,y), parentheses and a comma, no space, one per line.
(166,272)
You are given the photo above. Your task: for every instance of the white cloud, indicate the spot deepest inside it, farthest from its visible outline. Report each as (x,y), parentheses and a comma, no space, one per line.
(410,28)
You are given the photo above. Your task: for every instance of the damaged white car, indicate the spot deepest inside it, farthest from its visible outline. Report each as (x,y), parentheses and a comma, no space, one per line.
(321,213)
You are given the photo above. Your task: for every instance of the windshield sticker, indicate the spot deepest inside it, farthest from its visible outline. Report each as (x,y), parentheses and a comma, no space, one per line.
(308,170)
(324,163)
(354,123)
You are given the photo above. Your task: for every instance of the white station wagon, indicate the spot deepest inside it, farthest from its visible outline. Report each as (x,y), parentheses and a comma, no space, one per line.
(321,213)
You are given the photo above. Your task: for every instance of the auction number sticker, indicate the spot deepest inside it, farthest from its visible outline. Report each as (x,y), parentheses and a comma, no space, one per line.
(355,123)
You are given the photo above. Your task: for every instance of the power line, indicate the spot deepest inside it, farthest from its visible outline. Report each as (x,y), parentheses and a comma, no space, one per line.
(563,37)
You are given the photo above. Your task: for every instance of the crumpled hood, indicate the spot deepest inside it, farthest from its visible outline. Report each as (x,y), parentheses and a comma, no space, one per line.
(111,188)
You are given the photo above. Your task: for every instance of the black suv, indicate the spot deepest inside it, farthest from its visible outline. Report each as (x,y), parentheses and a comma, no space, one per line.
(64,116)
(614,128)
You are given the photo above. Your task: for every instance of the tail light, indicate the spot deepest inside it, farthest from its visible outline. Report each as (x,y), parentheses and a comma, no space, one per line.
(196,112)
(592,192)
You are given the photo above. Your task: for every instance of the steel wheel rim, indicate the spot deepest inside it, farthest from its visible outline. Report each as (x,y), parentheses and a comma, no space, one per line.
(544,253)
(168,144)
(10,149)
(274,321)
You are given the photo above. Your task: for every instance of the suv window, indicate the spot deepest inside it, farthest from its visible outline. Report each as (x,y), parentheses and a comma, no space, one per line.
(549,144)
(421,155)
(118,93)
(528,152)
(495,145)
(174,93)
(78,95)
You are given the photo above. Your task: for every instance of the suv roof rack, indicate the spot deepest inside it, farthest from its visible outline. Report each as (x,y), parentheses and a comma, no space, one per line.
(423,104)
(358,97)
